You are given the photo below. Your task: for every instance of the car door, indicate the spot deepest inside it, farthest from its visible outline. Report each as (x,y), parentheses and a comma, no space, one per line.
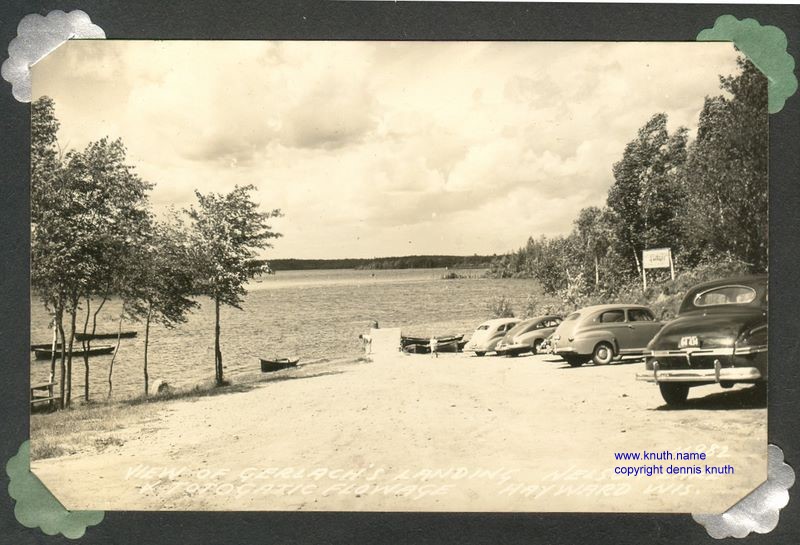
(642,326)
(614,321)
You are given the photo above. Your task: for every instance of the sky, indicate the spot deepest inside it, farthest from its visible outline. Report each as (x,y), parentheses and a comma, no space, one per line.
(377,149)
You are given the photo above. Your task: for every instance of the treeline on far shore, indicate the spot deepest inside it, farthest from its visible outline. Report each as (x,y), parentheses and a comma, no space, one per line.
(404,262)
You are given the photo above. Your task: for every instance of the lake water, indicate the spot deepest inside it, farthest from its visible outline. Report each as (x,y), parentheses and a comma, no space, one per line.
(314,315)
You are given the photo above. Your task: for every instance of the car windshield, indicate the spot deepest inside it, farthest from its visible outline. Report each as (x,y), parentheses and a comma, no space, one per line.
(611,316)
(522,327)
(725,295)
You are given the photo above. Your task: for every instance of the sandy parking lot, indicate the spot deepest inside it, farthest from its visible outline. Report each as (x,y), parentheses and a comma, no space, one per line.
(456,433)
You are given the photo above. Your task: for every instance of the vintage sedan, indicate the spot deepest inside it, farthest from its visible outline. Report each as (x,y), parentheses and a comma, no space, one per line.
(528,335)
(602,333)
(719,337)
(488,334)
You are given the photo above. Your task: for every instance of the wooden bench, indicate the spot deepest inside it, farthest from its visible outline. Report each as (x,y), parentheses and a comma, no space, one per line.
(43,392)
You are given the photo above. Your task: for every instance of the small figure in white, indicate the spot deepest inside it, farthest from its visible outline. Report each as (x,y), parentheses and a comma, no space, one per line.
(366,343)
(434,344)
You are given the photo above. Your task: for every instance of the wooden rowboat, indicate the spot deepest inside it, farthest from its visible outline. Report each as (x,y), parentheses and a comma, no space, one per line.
(80,337)
(77,351)
(268,366)
(45,346)
(91,337)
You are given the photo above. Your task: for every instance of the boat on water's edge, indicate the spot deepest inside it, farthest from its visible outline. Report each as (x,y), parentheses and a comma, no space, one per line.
(267,366)
(80,337)
(47,353)
(91,337)
(45,346)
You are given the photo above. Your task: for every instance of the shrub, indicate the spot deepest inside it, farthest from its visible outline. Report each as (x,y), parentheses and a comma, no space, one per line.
(663,295)
(500,307)
(537,306)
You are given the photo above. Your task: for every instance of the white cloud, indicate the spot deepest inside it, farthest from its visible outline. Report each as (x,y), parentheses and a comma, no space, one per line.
(382,148)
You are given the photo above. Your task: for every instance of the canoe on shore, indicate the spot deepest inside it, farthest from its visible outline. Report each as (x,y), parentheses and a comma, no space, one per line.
(91,337)
(267,366)
(77,351)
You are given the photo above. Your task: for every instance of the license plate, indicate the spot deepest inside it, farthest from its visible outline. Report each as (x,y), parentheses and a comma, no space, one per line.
(688,342)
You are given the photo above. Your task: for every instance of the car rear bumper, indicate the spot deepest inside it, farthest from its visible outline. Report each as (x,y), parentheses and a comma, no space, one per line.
(513,347)
(710,376)
(565,351)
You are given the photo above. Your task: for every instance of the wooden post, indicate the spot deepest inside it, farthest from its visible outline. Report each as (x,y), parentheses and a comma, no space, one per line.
(671,265)
(217,351)
(53,351)
(644,274)
(146,342)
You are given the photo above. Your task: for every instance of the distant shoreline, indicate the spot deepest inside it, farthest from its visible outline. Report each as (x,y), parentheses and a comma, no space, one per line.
(400,262)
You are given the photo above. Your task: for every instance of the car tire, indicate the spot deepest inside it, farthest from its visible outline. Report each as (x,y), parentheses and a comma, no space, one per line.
(536,345)
(480,354)
(574,361)
(603,354)
(674,394)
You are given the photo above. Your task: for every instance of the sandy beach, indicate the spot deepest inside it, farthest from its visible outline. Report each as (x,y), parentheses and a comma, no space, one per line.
(414,433)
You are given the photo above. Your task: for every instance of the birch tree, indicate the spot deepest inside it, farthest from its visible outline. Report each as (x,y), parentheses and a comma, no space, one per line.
(229,231)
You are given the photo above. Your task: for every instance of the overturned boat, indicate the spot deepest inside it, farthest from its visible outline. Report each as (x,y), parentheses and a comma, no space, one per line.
(422,345)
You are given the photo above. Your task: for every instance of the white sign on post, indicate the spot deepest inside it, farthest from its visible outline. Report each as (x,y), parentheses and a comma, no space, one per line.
(656,258)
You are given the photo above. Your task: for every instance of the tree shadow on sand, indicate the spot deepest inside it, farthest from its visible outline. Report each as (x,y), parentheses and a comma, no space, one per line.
(231,388)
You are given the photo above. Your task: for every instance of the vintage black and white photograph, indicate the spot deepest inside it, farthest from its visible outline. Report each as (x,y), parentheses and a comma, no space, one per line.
(399,276)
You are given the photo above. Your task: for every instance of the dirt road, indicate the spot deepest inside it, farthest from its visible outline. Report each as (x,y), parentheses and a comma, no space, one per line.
(413,433)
